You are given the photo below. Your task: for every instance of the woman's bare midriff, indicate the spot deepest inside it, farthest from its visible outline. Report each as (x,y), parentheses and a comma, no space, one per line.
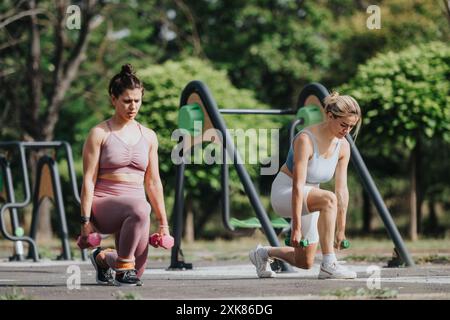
(285,170)
(122,177)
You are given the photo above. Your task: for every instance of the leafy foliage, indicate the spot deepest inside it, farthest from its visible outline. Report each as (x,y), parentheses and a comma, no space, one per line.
(405,95)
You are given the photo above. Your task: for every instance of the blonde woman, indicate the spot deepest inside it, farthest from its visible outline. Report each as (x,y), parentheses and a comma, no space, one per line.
(317,154)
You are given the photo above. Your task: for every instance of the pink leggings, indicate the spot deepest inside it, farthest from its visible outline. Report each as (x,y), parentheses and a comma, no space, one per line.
(120,208)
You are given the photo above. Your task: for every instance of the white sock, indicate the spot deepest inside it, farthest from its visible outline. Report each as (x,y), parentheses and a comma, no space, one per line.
(328,258)
(266,249)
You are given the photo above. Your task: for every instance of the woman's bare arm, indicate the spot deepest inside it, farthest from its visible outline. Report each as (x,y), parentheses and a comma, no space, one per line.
(91,156)
(341,191)
(152,181)
(302,152)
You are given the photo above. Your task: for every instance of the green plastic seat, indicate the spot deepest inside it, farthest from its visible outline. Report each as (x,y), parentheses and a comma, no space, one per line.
(245,224)
(253,223)
(280,223)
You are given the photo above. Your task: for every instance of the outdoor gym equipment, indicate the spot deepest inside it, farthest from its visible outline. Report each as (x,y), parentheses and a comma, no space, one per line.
(197,104)
(7,195)
(156,240)
(47,184)
(93,240)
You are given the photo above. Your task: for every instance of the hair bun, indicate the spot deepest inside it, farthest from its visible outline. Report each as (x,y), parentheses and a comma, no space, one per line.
(334,94)
(332,98)
(127,69)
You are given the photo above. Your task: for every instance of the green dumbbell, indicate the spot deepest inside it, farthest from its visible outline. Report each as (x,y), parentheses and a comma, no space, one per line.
(303,243)
(345,244)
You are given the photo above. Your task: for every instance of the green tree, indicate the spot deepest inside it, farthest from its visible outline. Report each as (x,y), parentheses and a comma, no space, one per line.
(405,98)
(40,60)
(271,47)
(275,47)
(403,23)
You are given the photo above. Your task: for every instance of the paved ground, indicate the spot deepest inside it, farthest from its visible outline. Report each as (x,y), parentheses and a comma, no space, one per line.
(210,280)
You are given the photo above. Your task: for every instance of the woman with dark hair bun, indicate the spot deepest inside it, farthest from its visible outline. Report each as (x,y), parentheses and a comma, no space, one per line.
(120,166)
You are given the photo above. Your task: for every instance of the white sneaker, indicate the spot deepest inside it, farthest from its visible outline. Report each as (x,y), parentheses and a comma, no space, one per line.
(335,271)
(262,265)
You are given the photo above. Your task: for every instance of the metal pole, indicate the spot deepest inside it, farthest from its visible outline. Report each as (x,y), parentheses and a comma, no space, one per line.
(254,199)
(72,176)
(177,214)
(22,204)
(372,190)
(59,205)
(258,111)
(292,127)
(10,197)
(225,192)
(73,181)
(35,207)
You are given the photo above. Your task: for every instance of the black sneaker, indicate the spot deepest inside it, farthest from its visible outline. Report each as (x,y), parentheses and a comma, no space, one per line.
(128,278)
(104,275)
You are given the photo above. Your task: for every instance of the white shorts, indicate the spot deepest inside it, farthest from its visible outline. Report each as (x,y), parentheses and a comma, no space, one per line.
(281,199)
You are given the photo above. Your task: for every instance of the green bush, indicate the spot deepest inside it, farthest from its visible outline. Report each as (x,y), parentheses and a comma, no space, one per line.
(404,95)
(405,100)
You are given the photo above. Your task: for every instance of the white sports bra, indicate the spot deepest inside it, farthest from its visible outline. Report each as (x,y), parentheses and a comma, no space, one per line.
(320,170)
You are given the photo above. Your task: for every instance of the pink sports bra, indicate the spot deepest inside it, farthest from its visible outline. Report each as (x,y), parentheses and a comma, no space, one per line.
(119,157)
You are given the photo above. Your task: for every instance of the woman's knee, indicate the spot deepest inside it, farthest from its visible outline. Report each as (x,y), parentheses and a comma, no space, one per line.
(140,213)
(329,200)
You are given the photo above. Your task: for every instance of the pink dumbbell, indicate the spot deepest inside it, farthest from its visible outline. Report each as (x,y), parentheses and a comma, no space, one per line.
(93,240)
(157,241)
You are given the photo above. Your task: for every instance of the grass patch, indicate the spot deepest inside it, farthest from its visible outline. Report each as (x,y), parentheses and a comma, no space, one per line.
(418,259)
(363,249)
(127,296)
(385,293)
(14,295)
(365,258)
(46,252)
(433,258)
